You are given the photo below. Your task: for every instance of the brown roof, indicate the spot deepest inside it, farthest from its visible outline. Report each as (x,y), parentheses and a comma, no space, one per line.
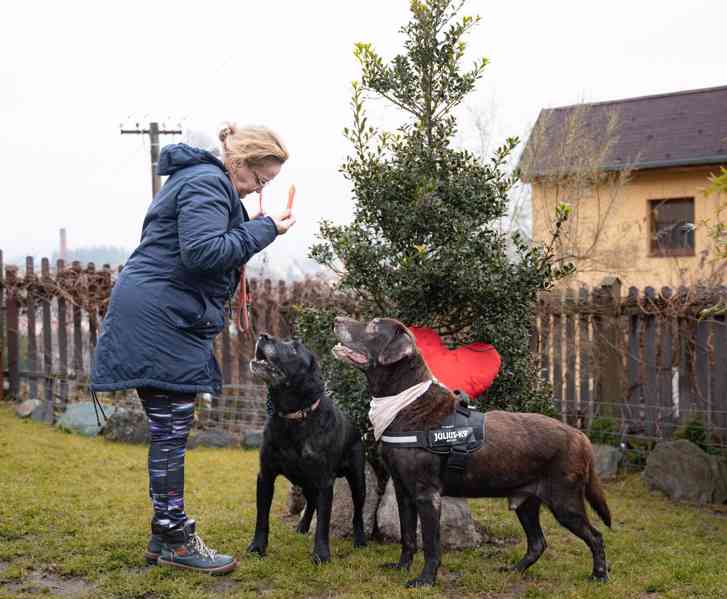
(675,129)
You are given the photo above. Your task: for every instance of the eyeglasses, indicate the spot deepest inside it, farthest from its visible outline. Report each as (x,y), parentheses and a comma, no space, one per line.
(259,181)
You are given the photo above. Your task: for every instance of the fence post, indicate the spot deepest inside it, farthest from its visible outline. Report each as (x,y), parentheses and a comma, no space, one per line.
(608,348)
(47,341)
(585,352)
(11,279)
(558,352)
(571,407)
(92,309)
(664,374)
(719,393)
(62,334)
(2,327)
(544,339)
(32,338)
(77,328)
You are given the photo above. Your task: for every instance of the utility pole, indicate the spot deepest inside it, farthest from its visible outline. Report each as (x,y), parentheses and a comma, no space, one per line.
(62,254)
(153,132)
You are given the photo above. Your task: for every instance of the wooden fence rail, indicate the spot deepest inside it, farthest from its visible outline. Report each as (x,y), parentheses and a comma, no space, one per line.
(50,322)
(644,360)
(641,359)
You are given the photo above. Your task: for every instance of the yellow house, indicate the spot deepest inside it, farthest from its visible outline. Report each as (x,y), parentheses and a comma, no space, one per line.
(634,173)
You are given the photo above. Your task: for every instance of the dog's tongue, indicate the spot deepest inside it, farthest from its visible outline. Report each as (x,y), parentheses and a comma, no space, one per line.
(350,354)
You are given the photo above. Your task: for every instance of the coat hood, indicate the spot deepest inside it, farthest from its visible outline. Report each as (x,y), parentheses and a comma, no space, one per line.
(175,157)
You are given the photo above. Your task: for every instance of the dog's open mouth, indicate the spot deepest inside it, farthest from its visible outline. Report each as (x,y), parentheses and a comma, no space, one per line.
(262,368)
(346,354)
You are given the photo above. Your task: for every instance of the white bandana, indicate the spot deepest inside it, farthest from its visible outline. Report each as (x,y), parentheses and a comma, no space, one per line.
(384,409)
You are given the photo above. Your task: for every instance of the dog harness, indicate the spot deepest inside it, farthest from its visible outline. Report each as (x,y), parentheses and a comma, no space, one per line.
(459,435)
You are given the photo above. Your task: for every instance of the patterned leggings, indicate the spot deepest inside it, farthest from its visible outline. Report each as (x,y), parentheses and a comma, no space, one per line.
(170,417)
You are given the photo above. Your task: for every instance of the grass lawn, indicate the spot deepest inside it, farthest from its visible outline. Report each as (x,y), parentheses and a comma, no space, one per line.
(74,518)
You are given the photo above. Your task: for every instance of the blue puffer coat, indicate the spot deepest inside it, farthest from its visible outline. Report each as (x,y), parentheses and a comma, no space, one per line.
(168,303)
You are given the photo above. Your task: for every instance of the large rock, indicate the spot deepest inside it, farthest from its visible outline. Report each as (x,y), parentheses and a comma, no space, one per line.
(342,511)
(44,412)
(26,408)
(296,500)
(81,418)
(252,440)
(457,528)
(607,460)
(684,472)
(212,439)
(127,426)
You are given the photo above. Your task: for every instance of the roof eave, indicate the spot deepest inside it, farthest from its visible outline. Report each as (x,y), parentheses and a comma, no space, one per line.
(639,166)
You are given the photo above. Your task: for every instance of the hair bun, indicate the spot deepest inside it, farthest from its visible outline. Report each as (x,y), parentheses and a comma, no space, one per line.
(225,132)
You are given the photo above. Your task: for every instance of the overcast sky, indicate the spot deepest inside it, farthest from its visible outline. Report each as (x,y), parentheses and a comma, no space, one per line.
(72,72)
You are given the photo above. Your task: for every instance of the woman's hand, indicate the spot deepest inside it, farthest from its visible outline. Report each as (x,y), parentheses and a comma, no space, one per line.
(283,221)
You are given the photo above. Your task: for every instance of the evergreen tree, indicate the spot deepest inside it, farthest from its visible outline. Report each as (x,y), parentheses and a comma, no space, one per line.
(423,246)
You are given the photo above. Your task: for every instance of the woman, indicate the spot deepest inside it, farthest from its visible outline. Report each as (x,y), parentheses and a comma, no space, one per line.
(167,306)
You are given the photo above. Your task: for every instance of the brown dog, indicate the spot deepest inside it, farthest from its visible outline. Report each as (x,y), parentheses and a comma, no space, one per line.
(529,458)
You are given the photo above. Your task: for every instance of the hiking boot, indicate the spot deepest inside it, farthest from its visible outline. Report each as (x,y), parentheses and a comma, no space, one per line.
(183,548)
(156,540)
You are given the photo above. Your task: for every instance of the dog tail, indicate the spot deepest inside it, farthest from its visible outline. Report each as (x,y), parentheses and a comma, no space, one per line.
(596,497)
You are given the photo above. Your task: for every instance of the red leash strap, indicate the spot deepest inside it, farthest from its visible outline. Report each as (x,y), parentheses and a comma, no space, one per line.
(243,300)
(242,318)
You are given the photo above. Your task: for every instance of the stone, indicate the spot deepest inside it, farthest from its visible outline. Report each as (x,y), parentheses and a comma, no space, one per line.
(342,510)
(212,438)
(252,440)
(457,527)
(127,426)
(683,472)
(607,460)
(296,500)
(81,418)
(44,412)
(25,409)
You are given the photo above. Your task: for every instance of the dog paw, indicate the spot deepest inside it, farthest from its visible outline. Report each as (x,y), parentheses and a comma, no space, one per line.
(517,568)
(599,577)
(321,557)
(359,541)
(255,548)
(396,566)
(418,582)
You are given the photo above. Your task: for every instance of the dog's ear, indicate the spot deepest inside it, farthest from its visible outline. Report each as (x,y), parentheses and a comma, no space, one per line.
(400,347)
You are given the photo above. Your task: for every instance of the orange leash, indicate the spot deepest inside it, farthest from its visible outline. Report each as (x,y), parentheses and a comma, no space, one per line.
(242,312)
(242,318)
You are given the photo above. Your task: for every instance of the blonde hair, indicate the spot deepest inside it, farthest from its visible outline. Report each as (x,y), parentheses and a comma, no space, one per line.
(251,145)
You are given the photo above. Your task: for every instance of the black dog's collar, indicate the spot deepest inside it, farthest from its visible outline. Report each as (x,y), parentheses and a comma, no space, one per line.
(301,414)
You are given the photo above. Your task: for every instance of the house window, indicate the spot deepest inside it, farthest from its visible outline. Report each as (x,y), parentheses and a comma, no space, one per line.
(672,227)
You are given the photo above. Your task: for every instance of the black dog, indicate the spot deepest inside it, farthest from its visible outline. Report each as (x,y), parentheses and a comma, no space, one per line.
(308,440)
(530,458)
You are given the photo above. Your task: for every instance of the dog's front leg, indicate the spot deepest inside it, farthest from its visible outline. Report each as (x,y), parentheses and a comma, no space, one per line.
(429,505)
(407,525)
(265,490)
(321,549)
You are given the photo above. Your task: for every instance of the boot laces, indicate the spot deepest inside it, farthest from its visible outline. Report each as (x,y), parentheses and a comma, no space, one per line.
(199,546)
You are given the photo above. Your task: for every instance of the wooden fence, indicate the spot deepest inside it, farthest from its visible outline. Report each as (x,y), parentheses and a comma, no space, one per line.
(644,361)
(50,321)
